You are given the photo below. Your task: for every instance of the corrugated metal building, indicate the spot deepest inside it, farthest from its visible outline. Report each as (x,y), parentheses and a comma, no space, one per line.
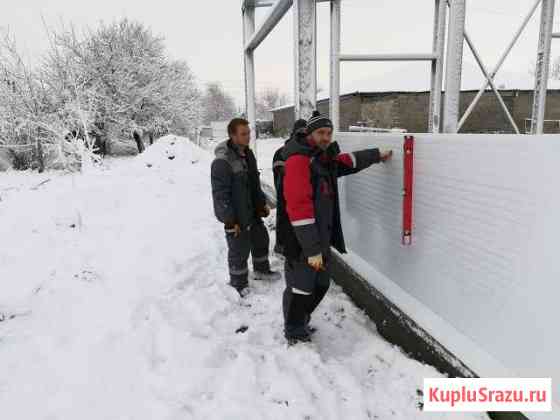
(409,110)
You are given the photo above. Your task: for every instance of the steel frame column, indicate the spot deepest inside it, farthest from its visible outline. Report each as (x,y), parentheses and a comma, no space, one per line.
(454,61)
(305,51)
(249,73)
(334,107)
(490,81)
(542,69)
(436,83)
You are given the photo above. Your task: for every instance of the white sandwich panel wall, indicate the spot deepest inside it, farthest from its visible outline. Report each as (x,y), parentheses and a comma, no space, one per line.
(482,275)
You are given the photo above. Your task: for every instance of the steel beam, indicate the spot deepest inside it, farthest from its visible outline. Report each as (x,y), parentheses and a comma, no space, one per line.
(388,57)
(305,51)
(503,57)
(454,61)
(249,75)
(490,80)
(436,81)
(543,66)
(274,16)
(256,3)
(335,64)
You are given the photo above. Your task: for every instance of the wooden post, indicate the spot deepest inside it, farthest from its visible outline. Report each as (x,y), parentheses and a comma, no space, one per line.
(40,157)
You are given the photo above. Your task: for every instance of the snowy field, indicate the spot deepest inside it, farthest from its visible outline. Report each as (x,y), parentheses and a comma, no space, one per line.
(115,305)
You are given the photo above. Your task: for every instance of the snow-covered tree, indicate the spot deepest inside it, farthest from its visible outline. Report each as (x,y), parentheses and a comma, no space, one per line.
(269,99)
(98,84)
(31,126)
(217,104)
(138,86)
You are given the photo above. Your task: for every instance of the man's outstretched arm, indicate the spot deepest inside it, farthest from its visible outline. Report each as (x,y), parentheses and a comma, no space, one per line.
(354,162)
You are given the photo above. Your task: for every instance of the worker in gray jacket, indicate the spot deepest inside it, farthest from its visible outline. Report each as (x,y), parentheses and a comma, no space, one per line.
(240,204)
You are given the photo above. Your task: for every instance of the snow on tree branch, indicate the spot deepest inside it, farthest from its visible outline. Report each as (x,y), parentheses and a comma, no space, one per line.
(96,84)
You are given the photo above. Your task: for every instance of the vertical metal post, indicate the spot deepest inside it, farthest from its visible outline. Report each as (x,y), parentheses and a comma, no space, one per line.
(542,69)
(335,64)
(440,15)
(249,72)
(455,40)
(305,35)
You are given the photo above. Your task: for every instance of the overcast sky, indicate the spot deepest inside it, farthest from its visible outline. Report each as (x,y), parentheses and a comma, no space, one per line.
(207,34)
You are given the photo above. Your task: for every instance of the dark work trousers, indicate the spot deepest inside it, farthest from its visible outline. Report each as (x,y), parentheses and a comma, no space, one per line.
(305,289)
(253,240)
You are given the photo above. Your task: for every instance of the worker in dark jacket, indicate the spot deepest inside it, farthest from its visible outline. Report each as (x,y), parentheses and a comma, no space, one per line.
(240,204)
(310,189)
(139,142)
(278,163)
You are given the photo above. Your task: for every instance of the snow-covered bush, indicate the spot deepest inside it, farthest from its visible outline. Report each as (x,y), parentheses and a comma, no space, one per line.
(217,104)
(91,89)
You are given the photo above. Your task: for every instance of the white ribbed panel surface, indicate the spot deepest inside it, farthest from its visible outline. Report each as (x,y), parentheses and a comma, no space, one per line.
(485,240)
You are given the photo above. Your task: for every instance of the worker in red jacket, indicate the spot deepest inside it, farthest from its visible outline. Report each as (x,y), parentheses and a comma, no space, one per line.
(310,189)
(278,171)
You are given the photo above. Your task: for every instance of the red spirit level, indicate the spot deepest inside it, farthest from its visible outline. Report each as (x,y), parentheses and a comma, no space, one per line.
(408,178)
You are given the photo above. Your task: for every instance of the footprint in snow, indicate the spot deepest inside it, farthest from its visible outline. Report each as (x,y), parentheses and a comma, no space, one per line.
(241,329)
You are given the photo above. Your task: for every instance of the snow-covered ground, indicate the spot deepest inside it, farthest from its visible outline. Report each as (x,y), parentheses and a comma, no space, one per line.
(265,152)
(114,304)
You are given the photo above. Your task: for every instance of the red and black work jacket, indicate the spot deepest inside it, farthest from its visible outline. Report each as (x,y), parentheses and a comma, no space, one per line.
(311,202)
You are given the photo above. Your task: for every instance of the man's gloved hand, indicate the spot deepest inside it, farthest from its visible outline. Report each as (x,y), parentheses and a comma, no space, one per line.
(264,211)
(333,150)
(386,155)
(233,228)
(316,262)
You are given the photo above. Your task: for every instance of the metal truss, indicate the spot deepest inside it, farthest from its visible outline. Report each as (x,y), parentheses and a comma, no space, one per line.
(540,90)
(305,35)
(435,57)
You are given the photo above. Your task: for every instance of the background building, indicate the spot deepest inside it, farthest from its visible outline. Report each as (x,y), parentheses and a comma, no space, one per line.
(409,111)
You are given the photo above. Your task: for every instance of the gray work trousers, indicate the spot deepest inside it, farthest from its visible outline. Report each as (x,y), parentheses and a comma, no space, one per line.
(254,241)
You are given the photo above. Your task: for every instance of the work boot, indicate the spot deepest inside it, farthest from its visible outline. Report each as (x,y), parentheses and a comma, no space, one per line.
(242,289)
(267,275)
(295,329)
(298,338)
(310,329)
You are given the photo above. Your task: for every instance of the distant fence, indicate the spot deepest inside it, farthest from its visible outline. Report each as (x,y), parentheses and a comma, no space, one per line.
(549,126)
(360,129)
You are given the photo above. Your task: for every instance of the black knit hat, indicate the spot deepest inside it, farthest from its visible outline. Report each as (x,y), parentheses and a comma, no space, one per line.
(318,121)
(300,124)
